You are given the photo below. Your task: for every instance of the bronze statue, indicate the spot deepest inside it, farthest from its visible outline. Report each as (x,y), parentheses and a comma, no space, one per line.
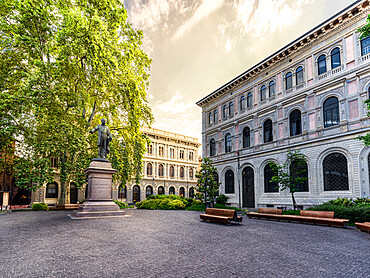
(104,137)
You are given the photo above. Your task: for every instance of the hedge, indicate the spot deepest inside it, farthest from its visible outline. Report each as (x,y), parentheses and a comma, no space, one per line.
(40,206)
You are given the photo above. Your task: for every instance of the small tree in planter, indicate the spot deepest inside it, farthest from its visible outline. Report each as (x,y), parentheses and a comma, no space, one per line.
(292,174)
(207,186)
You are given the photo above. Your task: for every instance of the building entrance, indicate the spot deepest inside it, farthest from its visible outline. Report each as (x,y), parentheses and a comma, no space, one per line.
(248,187)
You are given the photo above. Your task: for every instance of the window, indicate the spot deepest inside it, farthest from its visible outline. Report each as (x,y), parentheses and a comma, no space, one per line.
(191,156)
(149,169)
(191,173)
(52,190)
(136,194)
(335,172)
(160,170)
(368,90)
(242,103)
(210,118)
(160,190)
(54,162)
(171,190)
(182,154)
(246,137)
(182,192)
(365,46)
(172,153)
(299,75)
(249,100)
(271,88)
(288,81)
(150,149)
(224,111)
(263,93)
(229,182)
(215,117)
(331,112)
(212,147)
(270,186)
(181,172)
(148,191)
(215,177)
(161,151)
(191,193)
(321,64)
(267,131)
(300,166)
(295,122)
(228,143)
(122,192)
(231,108)
(335,58)
(172,171)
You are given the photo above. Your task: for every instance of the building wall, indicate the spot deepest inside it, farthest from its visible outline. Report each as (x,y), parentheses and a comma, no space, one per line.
(349,83)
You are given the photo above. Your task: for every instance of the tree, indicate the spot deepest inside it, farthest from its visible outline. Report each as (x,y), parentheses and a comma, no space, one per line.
(207,186)
(291,174)
(63,66)
(365,32)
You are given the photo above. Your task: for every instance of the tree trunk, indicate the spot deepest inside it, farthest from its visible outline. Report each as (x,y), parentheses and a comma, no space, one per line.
(294,202)
(63,181)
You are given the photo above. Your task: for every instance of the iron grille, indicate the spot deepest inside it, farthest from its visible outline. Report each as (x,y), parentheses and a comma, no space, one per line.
(302,168)
(248,187)
(335,172)
(229,182)
(269,185)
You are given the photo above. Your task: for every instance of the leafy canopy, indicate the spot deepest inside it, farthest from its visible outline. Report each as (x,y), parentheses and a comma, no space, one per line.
(207,186)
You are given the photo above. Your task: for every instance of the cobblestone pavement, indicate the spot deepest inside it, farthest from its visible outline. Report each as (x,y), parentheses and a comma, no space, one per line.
(175,244)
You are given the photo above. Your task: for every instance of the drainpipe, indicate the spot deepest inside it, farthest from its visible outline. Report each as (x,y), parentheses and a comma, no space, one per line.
(240,203)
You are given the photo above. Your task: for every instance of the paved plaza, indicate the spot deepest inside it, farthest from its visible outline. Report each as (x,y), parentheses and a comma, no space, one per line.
(175,244)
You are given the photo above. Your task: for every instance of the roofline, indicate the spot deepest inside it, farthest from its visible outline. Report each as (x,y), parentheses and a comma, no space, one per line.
(280,50)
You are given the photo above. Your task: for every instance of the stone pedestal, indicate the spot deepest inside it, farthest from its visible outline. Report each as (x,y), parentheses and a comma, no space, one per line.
(99,197)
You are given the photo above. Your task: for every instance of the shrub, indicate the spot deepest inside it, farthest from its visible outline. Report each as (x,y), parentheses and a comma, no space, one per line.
(148,204)
(177,204)
(189,201)
(197,207)
(122,205)
(222,199)
(291,212)
(353,213)
(40,206)
(345,202)
(161,203)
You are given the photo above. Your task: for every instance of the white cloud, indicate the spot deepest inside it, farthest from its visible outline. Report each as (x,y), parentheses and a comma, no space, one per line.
(176,105)
(206,8)
(228,45)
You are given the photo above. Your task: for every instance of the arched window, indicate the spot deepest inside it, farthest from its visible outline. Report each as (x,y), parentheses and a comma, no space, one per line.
(270,186)
(191,193)
(271,88)
(335,172)
(148,191)
(267,131)
(149,169)
(181,172)
(321,64)
(246,137)
(212,147)
(191,173)
(368,91)
(335,58)
(182,192)
(150,149)
(331,112)
(263,93)
(231,108)
(300,166)
(160,190)
(210,118)
(295,122)
(249,100)
(73,193)
(122,192)
(136,194)
(288,81)
(299,75)
(171,190)
(224,111)
(172,171)
(229,182)
(228,143)
(242,103)
(160,170)
(215,117)
(365,46)
(215,177)
(52,190)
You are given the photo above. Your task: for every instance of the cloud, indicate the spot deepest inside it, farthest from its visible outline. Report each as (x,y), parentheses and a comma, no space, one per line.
(176,105)
(228,45)
(206,8)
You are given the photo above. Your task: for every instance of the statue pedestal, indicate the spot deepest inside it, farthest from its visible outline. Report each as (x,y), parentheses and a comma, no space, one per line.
(99,197)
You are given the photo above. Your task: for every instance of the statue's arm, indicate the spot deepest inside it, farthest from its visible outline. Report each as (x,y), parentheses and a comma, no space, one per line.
(94,129)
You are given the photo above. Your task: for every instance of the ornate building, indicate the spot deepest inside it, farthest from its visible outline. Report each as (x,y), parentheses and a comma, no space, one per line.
(170,165)
(307,96)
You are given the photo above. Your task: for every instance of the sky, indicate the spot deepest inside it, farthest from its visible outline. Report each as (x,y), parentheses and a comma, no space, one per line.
(196,46)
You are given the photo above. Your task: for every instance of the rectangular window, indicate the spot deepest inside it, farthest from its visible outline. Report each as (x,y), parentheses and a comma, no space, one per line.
(365,46)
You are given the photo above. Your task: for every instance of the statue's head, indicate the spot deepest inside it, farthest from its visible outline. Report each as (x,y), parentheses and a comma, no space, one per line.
(103,121)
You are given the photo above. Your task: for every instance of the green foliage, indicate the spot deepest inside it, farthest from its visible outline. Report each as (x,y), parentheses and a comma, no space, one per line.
(291,212)
(161,203)
(121,204)
(63,66)
(207,187)
(346,202)
(365,30)
(202,207)
(222,199)
(354,213)
(40,206)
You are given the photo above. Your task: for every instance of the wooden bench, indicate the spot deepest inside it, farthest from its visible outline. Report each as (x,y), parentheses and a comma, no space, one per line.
(224,216)
(306,216)
(365,227)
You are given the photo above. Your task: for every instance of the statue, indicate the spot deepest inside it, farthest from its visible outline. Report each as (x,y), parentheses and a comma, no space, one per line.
(104,138)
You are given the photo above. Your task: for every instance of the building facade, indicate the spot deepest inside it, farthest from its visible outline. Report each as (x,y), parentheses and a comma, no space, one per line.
(308,96)
(170,165)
